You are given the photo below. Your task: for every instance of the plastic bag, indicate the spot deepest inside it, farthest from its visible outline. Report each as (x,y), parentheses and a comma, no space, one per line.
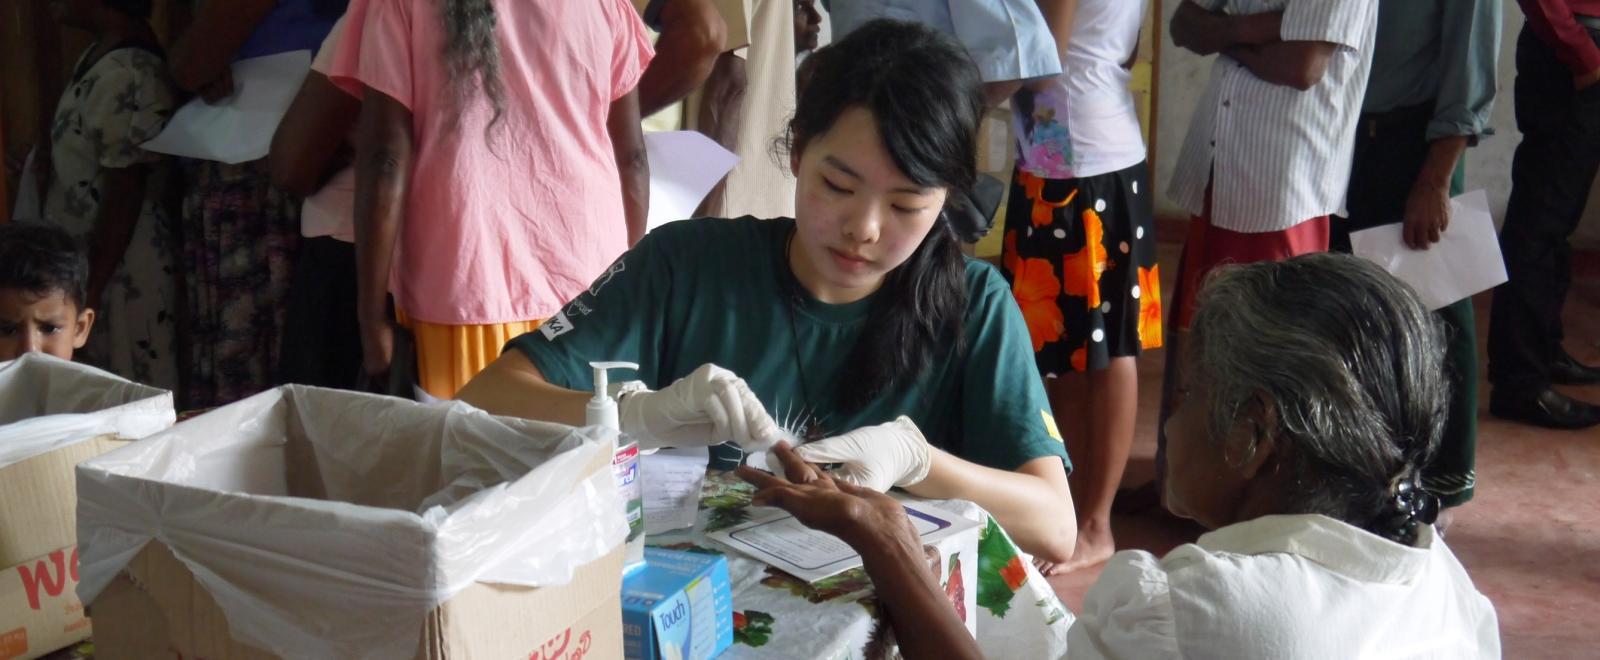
(47,403)
(327,524)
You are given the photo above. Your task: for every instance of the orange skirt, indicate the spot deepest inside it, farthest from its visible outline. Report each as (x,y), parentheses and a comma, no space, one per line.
(450,355)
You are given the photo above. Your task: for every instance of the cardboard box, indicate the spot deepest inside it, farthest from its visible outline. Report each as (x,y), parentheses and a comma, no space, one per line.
(679,606)
(333,524)
(156,609)
(39,608)
(53,415)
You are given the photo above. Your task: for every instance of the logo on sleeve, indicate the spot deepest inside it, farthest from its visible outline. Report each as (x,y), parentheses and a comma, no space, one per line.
(605,278)
(1050,425)
(558,325)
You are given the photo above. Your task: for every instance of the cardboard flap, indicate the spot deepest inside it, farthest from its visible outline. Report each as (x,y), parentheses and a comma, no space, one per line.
(299,506)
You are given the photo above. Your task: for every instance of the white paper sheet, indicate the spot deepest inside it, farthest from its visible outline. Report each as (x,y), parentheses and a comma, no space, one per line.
(684,166)
(239,128)
(672,479)
(29,206)
(778,540)
(1464,262)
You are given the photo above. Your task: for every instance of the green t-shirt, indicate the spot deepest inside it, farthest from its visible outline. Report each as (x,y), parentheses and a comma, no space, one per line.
(721,292)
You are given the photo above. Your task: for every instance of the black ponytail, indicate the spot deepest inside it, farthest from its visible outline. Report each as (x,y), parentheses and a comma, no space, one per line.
(926,97)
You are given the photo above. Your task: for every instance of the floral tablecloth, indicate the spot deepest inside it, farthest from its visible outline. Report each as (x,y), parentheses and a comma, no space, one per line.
(778,616)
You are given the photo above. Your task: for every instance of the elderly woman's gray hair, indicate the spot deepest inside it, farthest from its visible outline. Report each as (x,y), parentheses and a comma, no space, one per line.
(1351,363)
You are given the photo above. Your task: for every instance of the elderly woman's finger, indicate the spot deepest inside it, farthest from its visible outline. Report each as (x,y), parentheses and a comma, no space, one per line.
(782,496)
(758,478)
(795,467)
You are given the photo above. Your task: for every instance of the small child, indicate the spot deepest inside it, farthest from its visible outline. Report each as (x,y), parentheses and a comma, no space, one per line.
(43,285)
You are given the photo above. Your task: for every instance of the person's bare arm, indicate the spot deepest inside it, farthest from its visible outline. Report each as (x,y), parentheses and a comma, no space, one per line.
(1033,503)
(1428,205)
(1058,16)
(995,93)
(720,109)
(633,166)
(383,172)
(1208,32)
(1297,64)
(692,36)
(876,527)
(311,143)
(205,51)
(121,198)
(514,387)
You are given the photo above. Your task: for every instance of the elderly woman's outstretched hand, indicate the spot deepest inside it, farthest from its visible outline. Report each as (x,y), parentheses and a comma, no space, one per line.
(820,502)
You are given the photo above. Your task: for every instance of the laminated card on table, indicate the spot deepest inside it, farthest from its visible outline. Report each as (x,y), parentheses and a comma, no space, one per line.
(776,538)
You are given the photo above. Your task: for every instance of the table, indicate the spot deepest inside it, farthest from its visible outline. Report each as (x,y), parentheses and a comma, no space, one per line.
(778,616)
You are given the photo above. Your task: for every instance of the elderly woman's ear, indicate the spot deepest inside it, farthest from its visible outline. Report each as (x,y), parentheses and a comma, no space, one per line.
(1253,442)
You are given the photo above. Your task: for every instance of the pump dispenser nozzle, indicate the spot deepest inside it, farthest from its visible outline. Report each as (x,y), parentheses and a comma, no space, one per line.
(602,409)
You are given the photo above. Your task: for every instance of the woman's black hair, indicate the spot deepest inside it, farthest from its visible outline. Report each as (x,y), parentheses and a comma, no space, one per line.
(926,98)
(472,54)
(137,9)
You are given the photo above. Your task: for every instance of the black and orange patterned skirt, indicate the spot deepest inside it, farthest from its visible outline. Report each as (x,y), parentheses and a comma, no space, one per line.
(1081,258)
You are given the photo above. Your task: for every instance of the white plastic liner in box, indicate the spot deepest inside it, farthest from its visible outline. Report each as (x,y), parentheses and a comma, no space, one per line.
(420,501)
(47,403)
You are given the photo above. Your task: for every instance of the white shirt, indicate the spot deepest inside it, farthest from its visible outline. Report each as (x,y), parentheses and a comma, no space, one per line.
(1091,99)
(1277,156)
(331,211)
(1007,39)
(1286,587)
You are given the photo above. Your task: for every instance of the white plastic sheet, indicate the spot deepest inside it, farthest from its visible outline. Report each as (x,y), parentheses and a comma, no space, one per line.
(327,524)
(47,403)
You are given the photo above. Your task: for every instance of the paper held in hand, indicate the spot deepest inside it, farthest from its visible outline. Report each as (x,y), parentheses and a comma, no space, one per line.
(1465,261)
(239,128)
(777,539)
(684,167)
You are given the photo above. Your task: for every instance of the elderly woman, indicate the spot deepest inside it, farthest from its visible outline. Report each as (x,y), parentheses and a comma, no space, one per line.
(1298,442)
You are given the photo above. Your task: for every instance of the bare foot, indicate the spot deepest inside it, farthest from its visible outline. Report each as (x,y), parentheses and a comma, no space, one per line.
(1095,545)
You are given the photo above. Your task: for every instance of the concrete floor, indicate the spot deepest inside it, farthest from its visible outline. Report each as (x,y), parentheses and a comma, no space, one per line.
(1531,536)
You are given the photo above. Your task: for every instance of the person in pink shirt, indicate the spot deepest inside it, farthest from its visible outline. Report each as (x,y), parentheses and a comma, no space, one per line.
(499,168)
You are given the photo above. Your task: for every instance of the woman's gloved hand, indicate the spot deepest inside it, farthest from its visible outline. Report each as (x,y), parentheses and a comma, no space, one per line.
(877,457)
(708,407)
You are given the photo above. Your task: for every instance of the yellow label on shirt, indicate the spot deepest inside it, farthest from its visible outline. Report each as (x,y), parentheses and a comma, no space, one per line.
(1050,426)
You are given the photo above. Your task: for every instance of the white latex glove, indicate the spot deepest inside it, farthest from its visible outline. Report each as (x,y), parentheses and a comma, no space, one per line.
(877,457)
(708,407)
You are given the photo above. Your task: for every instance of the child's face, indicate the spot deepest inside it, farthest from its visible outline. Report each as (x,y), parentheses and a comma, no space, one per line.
(47,323)
(857,215)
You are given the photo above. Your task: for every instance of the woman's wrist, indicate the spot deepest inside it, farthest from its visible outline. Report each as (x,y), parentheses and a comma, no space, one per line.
(885,545)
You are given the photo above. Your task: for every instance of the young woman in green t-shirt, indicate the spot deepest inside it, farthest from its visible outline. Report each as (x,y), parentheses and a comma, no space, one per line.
(908,363)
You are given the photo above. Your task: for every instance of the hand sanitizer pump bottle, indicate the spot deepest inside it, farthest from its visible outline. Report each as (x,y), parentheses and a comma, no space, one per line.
(602,411)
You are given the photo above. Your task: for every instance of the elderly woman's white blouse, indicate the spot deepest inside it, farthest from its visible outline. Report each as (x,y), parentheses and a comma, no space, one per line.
(1301,586)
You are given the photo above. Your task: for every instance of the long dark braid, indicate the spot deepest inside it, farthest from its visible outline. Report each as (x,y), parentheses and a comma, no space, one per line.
(472,54)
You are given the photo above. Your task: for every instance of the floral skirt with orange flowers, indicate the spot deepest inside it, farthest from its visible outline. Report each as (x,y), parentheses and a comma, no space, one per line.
(1081,258)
